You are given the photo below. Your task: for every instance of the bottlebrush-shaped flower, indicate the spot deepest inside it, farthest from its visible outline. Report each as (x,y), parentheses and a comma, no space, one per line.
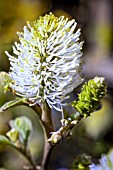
(48,63)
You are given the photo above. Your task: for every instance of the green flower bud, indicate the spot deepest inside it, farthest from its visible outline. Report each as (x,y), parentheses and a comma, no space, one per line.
(90,96)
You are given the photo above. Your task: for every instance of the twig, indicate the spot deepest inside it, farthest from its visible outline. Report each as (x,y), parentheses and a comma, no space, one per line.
(47,124)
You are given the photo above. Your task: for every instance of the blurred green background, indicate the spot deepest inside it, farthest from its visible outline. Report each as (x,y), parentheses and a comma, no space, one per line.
(93,135)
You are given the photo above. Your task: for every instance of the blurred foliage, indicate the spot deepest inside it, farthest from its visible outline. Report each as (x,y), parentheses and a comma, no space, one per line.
(82,162)
(94,134)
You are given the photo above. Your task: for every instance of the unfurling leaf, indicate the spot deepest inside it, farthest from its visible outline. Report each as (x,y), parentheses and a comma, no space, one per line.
(13,135)
(24,126)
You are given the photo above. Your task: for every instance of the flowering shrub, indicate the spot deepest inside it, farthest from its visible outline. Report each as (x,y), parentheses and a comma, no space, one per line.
(45,67)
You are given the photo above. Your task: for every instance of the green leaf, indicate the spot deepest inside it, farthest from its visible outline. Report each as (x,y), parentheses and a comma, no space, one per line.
(13,103)
(24,126)
(4,140)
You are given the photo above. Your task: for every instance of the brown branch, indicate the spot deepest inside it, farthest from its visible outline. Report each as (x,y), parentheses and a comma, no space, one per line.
(47,123)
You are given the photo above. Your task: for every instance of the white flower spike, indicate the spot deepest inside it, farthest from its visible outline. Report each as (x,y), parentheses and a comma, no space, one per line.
(49,61)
